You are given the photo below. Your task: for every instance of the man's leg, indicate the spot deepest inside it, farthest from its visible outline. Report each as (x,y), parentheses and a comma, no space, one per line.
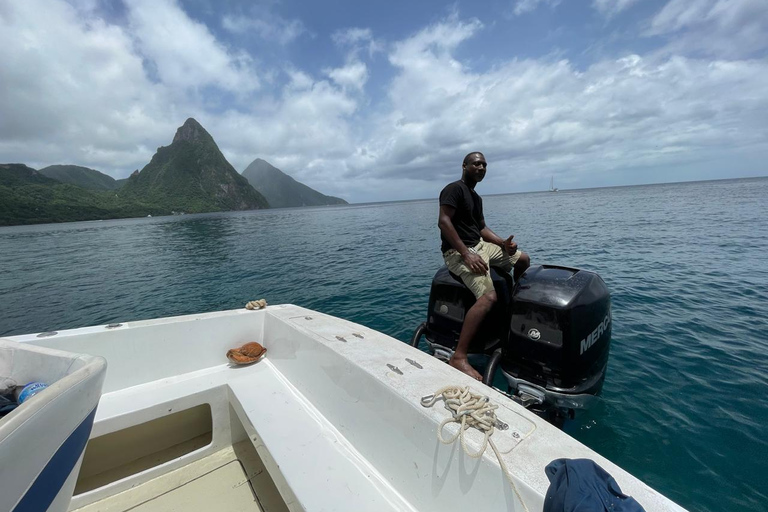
(481,286)
(472,322)
(521,265)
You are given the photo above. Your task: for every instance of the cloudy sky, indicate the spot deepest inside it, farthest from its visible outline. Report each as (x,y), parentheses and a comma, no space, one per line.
(380,100)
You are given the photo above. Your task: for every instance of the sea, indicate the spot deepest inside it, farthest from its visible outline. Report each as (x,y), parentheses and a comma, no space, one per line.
(685,401)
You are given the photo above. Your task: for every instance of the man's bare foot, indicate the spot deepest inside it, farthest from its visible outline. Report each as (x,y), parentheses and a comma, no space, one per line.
(464,366)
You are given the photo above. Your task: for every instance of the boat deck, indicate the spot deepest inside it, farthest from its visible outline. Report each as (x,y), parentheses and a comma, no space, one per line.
(223,481)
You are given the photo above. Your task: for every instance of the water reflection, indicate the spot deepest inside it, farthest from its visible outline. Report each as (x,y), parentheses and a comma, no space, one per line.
(197,240)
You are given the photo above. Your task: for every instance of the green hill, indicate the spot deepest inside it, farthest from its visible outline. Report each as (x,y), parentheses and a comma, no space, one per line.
(28,197)
(16,175)
(191,175)
(281,190)
(80,176)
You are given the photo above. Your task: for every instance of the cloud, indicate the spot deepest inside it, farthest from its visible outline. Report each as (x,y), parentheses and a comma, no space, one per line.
(434,43)
(532,118)
(726,28)
(306,128)
(610,8)
(526,6)
(184,52)
(352,36)
(356,40)
(72,89)
(265,24)
(308,119)
(677,14)
(352,76)
(76,89)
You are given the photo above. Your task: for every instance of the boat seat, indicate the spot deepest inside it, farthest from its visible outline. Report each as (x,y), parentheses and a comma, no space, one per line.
(130,406)
(319,465)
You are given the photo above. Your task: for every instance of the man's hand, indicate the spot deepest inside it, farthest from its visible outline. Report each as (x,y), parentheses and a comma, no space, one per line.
(509,245)
(475,263)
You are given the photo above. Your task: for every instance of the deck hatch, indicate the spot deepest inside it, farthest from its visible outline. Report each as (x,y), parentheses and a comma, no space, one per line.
(123,453)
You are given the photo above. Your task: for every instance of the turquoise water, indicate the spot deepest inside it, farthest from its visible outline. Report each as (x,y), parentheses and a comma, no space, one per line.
(685,402)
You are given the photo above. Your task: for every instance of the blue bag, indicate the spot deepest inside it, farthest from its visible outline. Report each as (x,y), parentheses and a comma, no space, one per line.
(580,485)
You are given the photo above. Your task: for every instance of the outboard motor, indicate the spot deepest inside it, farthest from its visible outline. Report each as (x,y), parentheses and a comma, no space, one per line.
(549,334)
(559,339)
(449,301)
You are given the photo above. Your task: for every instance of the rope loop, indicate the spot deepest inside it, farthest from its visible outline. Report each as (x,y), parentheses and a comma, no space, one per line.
(470,410)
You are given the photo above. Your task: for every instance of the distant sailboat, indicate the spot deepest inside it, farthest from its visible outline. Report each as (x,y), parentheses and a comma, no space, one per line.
(552,185)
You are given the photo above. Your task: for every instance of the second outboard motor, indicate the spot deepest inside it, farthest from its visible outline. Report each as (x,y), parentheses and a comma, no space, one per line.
(559,339)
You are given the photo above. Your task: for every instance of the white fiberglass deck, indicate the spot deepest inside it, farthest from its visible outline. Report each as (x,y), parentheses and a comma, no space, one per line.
(333,412)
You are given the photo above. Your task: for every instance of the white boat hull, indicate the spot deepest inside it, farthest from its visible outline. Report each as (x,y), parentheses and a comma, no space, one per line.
(333,413)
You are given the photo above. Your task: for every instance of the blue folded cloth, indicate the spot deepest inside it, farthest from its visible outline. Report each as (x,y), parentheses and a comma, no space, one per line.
(580,485)
(7,404)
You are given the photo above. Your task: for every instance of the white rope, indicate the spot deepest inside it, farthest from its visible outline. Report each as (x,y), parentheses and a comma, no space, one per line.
(256,304)
(470,410)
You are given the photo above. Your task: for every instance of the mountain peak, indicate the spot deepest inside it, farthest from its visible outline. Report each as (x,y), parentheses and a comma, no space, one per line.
(192,175)
(192,131)
(281,190)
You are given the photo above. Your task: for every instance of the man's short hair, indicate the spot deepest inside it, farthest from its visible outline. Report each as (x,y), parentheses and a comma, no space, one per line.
(466,158)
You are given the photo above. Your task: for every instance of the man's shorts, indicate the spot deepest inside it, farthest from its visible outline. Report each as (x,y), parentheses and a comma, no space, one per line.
(480,284)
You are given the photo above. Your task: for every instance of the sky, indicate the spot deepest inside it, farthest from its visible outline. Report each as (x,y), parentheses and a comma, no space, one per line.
(381,100)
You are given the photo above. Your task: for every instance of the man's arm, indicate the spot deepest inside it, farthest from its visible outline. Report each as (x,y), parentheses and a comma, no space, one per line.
(489,236)
(445,223)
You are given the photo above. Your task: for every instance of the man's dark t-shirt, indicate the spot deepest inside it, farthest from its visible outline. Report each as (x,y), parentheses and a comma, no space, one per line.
(468,219)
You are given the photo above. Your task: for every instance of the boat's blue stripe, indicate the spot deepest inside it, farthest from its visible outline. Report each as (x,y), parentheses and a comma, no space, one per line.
(50,480)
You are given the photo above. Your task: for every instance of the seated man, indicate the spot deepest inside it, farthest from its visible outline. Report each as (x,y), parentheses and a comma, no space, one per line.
(470,247)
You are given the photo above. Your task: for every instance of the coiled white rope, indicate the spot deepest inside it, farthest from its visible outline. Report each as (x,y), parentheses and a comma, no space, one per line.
(256,304)
(470,410)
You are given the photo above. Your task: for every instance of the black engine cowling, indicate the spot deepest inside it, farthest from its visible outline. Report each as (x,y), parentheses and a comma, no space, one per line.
(560,332)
